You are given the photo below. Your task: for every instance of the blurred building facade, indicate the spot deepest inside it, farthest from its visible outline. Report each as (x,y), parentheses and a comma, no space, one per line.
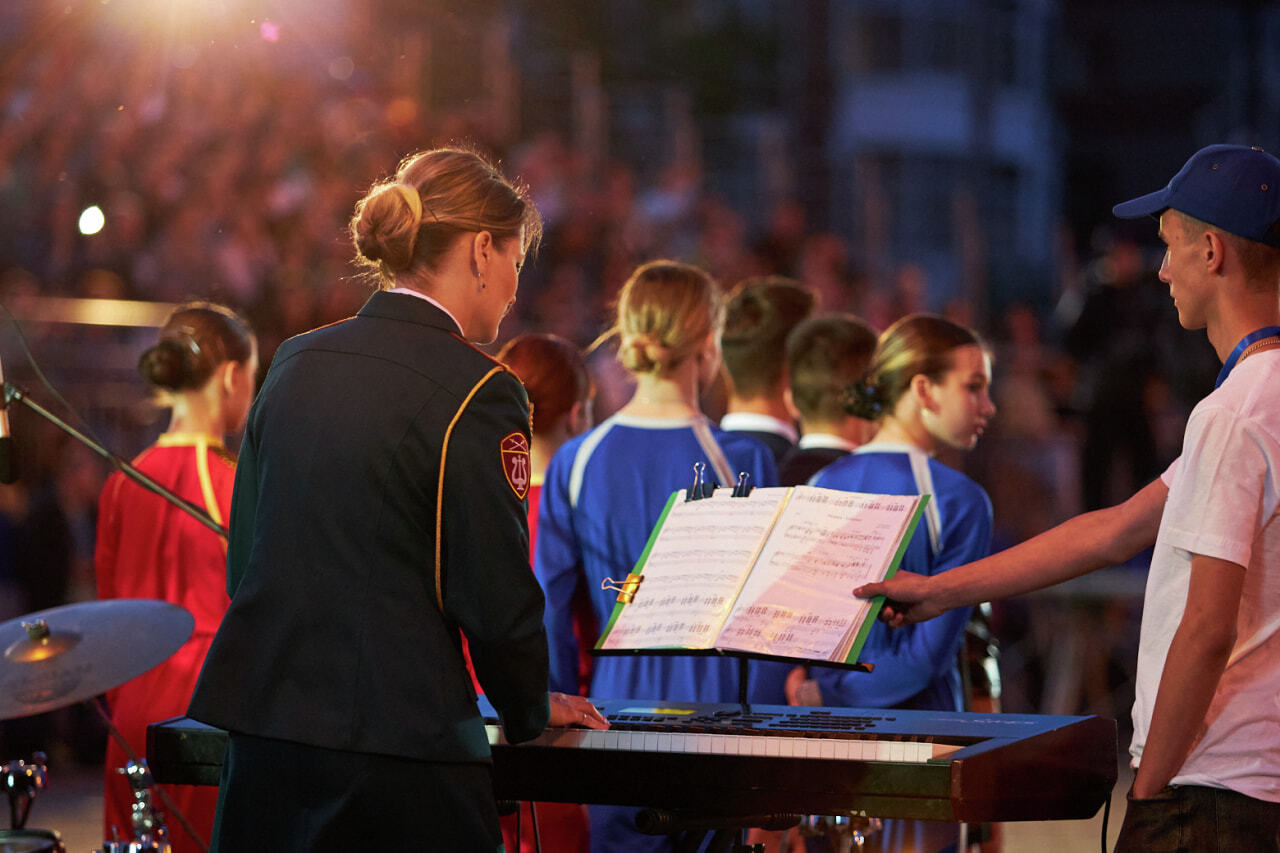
(921,133)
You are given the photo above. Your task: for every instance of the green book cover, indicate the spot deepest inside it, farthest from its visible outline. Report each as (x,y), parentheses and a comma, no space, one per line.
(877,603)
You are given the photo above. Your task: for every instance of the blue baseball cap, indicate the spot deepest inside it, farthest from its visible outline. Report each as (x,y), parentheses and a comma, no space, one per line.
(1233,187)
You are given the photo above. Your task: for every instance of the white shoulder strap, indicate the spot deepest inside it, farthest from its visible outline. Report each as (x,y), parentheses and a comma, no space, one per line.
(924,485)
(710,447)
(580,458)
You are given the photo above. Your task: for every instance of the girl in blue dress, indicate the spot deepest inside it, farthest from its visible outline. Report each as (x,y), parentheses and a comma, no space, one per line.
(605,490)
(928,389)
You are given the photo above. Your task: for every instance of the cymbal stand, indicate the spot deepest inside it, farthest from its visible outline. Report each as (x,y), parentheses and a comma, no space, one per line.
(149,831)
(148,828)
(21,782)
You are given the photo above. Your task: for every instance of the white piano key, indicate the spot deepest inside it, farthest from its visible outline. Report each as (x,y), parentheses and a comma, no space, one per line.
(817,746)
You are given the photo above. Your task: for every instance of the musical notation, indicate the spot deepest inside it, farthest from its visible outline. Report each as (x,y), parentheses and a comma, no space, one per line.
(771,574)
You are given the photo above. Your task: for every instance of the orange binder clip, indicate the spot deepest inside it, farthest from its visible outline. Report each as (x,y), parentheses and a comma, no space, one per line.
(626,589)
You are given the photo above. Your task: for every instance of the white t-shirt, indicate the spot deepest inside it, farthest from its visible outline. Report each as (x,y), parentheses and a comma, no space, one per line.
(1223,494)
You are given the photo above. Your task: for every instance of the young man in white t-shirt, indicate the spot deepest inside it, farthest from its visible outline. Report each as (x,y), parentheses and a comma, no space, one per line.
(1206,718)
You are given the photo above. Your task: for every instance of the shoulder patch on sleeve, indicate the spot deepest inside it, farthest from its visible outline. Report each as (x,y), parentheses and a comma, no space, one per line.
(514,450)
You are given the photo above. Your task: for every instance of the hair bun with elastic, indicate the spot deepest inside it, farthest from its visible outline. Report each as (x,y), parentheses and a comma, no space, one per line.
(170,363)
(386,225)
(644,353)
(864,400)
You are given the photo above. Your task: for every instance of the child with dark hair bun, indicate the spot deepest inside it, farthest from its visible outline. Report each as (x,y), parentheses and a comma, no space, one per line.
(203,367)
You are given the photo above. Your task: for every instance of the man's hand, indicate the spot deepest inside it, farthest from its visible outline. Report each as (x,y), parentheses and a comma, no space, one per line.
(908,598)
(575,711)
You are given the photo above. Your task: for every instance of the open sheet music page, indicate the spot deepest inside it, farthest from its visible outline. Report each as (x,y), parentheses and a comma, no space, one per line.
(694,570)
(799,601)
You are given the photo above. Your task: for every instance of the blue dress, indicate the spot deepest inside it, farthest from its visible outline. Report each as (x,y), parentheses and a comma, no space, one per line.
(916,666)
(601,498)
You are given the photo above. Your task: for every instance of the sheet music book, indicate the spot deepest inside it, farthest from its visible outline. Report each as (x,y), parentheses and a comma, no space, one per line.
(771,574)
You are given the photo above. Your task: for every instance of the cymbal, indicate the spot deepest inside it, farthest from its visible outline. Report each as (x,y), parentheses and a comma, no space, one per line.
(67,654)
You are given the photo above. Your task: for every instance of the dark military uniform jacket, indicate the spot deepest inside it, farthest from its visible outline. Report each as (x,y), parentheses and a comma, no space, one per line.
(378,510)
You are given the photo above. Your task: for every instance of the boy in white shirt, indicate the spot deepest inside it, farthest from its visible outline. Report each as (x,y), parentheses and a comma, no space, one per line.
(1206,717)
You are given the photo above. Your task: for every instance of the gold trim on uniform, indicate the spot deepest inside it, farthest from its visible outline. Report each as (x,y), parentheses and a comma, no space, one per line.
(444,455)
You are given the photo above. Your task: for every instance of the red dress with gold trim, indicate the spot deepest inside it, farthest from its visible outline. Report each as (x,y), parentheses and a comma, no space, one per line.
(562,826)
(148,548)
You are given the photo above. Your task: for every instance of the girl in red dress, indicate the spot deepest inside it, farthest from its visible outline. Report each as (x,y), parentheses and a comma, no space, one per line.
(203,367)
(555,376)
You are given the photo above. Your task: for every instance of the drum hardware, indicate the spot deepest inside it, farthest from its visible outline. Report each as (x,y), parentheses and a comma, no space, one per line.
(843,833)
(21,782)
(69,654)
(149,831)
(30,841)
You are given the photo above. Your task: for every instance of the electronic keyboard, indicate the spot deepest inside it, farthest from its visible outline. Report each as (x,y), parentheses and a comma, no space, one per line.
(727,759)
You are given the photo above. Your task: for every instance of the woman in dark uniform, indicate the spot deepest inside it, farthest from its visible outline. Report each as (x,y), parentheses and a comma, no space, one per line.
(378,515)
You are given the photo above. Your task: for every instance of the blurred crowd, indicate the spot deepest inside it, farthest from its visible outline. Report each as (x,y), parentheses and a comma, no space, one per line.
(232,177)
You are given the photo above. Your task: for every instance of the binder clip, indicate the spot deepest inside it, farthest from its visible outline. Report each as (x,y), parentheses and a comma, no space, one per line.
(743,489)
(700,488)
(626,589)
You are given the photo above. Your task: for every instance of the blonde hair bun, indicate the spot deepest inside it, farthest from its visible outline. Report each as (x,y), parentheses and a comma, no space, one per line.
(643,353)
(405,225)
(385,227)
(665,312)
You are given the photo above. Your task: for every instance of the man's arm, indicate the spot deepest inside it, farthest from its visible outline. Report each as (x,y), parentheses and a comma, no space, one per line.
(1197,657)
(1078,546)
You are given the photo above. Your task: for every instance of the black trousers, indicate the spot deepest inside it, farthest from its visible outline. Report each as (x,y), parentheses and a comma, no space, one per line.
(1194,819)
(280,796)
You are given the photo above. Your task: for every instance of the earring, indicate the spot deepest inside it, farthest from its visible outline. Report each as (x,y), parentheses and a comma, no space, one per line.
(480,279)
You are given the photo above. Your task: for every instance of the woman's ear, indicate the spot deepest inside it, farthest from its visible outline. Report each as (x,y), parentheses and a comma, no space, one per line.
(226,373)
(481,246)
(921,388)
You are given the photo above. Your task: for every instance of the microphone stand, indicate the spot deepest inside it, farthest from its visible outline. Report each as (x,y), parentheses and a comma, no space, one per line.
(12,393)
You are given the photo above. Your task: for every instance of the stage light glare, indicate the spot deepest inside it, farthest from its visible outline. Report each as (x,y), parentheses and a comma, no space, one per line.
(402,112)
(269,31)
(341,68)
(92,220)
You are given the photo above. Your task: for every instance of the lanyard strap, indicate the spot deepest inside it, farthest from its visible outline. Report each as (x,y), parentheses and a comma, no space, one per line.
(1245,342)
